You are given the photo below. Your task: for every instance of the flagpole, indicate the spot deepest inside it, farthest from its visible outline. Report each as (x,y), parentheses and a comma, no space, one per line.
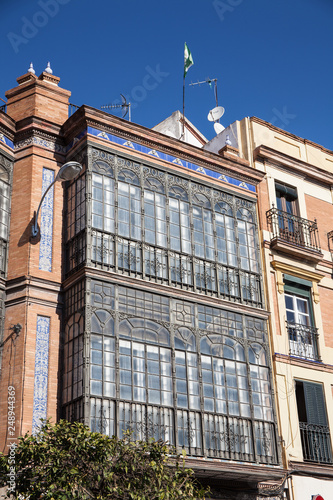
(183,134)
(188,62)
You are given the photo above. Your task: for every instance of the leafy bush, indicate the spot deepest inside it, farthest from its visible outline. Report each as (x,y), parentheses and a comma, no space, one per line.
(67,461)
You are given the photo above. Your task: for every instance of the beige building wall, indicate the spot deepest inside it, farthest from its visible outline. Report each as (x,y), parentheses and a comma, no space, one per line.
(307,167)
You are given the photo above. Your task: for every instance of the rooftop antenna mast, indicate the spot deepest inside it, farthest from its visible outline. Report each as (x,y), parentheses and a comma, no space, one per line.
(126,106)
(214,114)
(209,82)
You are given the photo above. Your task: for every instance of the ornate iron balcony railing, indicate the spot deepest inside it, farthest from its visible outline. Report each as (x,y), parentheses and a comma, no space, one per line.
(200,434)
(303,340)
(316,443)
(293,229)
(140,260)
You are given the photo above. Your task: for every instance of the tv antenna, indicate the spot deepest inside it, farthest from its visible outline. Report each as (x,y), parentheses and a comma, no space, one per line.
(214,114)
(209,81)
(126,107)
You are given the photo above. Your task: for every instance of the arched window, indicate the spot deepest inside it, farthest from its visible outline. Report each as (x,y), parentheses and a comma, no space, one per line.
(224,375)
(145,362)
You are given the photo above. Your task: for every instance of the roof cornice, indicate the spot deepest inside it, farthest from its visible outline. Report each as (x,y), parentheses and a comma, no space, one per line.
(88,116)
(301,167)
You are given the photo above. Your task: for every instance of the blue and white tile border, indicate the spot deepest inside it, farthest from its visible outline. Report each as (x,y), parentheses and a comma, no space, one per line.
(172,159)
(6,141)
(46,223)
(41,371)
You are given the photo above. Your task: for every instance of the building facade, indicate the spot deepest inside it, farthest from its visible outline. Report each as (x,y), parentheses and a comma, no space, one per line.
(140,304)
(296,216)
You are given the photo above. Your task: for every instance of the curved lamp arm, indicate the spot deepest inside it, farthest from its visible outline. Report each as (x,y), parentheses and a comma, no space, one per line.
(67,172)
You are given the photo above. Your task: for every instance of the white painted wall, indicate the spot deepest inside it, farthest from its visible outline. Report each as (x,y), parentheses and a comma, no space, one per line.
(305,487)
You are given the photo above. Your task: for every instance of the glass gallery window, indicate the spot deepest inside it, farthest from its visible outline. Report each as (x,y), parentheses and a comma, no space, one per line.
(150,224)
(171,369)
(4,217)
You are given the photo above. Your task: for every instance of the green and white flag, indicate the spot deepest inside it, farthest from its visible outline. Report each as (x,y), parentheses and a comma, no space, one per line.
(188,59)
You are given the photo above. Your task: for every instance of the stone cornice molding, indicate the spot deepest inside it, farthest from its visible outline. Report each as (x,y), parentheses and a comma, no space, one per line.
(319,470)
(7,126)
(304,363)
(306,170)
(36,123)
(29,81)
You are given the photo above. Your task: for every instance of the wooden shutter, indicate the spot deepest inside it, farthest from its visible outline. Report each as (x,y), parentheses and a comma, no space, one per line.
(315,403)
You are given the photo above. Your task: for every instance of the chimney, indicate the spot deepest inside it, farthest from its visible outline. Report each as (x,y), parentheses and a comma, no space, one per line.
(38,96)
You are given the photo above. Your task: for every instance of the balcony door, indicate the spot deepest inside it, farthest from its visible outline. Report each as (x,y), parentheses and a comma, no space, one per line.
(314,429)
(287,204)
(300,321)
(298,312)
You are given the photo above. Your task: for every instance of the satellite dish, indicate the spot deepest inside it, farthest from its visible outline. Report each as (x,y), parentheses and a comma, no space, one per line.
(218,127)
(215,114)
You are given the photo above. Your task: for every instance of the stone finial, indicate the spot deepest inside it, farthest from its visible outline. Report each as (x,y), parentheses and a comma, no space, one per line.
(48,69)
(31,69)
(227,140)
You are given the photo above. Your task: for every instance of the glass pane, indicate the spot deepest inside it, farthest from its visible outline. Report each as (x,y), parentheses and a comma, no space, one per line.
(302,306)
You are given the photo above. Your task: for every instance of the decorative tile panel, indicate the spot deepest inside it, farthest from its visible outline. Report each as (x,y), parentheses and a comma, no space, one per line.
(41,372)
(46,224)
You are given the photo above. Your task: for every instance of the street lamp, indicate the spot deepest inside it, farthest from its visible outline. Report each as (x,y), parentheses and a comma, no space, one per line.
(67,172)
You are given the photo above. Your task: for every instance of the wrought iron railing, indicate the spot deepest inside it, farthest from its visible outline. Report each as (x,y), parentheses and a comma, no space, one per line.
(316,443)
(140,260)
(303,341)
(72,108)
(207,434)
(293,229)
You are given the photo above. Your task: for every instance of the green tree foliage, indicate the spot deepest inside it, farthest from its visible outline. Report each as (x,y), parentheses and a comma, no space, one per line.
(67,461)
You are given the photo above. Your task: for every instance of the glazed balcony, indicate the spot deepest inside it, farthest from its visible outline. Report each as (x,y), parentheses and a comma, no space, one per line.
(303,341)
(316,443)
(294,235)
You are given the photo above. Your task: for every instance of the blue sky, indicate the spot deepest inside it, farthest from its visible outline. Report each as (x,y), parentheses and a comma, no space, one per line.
(272,59)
